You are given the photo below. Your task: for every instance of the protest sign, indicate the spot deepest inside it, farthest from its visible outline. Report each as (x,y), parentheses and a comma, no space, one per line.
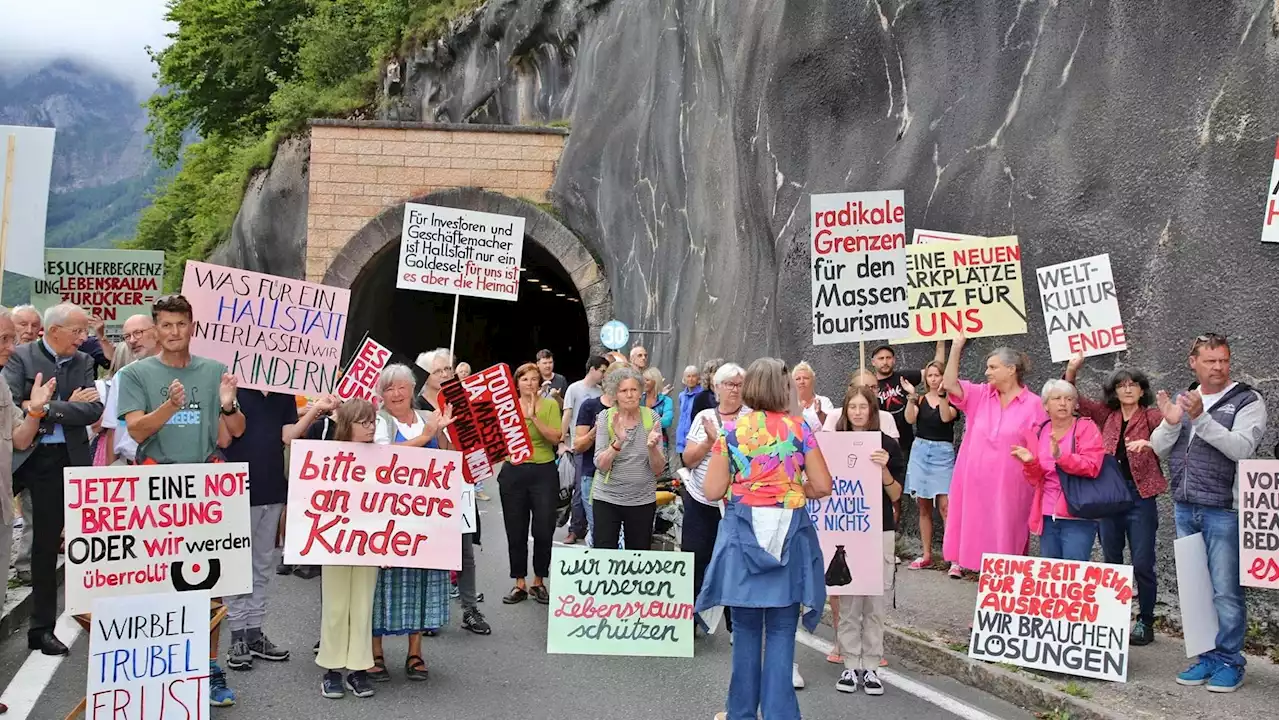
(274,333)
(620,602)
(468,513)
(360,378)
(378,505)
(858,263)
(488,425)
(972,287)
(149,657)
(1195,595)
(924,237)
(460,252)
(849,521)
(1259,517)
(1081,312)
(1271,216)
(26,164)
(139,529)
(112,284)
(1063,616)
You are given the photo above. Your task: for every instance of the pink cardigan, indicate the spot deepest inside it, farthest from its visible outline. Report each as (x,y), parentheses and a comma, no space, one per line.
(1086,461)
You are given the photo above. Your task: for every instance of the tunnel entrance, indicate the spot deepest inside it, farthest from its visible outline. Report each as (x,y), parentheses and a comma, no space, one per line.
(563,297)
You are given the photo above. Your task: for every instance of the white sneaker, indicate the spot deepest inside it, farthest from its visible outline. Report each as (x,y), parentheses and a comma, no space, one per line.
(796,681)
(871,684)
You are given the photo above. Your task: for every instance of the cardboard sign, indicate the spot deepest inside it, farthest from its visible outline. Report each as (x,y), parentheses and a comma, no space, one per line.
(379,505)
(849,521)
(489,426)
(1258,513)
(971,286)
(858,266)
(620,602)
(1063,616)
(149,657)
(112,284)
(360,378)
(460,252)
(138,529)
(1271,218)
(30,165)
(1081,312)
(274,333)
(1195,595)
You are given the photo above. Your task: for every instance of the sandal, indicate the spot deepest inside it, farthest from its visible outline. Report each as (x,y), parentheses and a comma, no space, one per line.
(835,658)
(517,595)
(920,563)
(378,673)
(415,668)
(539,593)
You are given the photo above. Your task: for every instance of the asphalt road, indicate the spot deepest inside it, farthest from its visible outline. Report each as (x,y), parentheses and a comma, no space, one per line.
(506,674)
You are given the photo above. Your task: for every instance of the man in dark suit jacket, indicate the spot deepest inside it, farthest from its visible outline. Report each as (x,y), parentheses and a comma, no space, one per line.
(62,442)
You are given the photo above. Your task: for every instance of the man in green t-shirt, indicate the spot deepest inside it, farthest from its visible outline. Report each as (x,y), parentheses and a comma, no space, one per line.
(181,408)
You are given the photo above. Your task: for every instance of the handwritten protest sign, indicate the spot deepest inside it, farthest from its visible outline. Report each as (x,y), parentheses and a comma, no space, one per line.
(1271,218)
(925,237)
(620,602)
(360,379)
(379,505)
(1081,312)
(24,184)
(460,252)
(149,657)
(488,425)
(858,263)
(1259,518)
(849,520)
(972,287)
(1064,616)
(139,529)
(112,284)
(273,333)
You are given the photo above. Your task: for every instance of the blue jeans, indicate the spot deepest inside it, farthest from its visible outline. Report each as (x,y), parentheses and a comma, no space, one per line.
(1138,526)
(584,495)
(763,683)
(1067,539)
(1222,542)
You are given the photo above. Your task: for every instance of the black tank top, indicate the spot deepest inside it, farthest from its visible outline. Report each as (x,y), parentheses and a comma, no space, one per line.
(929,424)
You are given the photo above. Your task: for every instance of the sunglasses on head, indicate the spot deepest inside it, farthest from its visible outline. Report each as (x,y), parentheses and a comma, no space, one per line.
(1210,339)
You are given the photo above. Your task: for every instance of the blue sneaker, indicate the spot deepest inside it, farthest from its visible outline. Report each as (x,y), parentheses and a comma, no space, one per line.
(219,694)
(1227,679)
(1199,673)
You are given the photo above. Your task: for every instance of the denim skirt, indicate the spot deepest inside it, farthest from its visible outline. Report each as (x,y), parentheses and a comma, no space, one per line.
(929,469)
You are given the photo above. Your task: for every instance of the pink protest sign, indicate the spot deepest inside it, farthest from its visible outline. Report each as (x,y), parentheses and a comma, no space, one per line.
(848,522)
(360,380)
(380,505)
(1258,513)
(273,333)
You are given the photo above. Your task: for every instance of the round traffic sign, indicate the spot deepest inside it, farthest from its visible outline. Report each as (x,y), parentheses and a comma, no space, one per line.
(614,335)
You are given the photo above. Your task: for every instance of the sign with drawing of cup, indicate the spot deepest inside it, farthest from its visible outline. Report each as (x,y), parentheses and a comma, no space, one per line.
(849,521)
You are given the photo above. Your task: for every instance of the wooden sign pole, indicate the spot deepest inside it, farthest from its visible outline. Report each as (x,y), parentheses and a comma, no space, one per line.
(10,159)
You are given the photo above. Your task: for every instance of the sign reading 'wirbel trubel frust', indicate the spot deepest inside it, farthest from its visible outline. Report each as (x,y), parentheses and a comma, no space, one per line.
(460,252)
(858,266)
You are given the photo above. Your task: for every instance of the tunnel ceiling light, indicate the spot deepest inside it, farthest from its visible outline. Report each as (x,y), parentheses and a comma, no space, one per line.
(531,279)
(560,295)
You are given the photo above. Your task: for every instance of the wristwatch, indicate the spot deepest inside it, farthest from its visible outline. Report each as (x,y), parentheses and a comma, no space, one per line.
(44,410)
(235,408)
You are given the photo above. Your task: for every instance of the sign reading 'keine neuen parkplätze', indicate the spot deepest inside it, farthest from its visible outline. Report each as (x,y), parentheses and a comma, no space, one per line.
(1063,616)
(460,252)
(858,266)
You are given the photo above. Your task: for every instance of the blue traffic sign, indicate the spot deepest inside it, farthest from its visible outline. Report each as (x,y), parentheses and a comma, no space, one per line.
(614,335)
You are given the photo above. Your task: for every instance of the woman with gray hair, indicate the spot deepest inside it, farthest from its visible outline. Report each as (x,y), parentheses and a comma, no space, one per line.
(629,458)
(1069,444)
(692,386)
(989,497)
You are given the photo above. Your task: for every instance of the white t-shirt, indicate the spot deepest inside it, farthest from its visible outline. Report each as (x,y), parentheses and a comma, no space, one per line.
(125,446)
(383,435)
(1210,400)
(698,434)
(887,425)
(811,413)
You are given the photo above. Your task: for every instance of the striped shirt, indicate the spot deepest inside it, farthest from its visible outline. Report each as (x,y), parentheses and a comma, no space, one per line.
(631,482)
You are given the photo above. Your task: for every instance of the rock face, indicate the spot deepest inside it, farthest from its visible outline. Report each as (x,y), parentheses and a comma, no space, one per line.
(270,231)
(700,127)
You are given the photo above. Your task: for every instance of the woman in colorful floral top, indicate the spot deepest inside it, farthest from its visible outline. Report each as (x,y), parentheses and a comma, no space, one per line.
(767,564)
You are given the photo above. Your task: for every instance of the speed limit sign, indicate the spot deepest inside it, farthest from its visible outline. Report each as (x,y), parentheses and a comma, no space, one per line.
(614,335)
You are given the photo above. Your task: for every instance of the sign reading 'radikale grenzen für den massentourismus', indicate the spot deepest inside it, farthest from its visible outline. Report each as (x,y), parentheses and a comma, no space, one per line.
(460,252)
(858,267)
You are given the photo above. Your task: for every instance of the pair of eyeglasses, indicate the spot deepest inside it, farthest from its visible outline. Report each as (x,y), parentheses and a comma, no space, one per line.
(1213,339)
(732,385)
(368,423)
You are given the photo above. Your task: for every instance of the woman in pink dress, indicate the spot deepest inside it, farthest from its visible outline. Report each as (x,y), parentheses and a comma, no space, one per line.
(989,497)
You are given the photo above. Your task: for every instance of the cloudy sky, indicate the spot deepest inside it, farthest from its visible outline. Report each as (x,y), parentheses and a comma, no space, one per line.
(111,34)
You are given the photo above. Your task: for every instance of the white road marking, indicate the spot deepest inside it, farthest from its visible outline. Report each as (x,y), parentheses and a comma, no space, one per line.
(952,705)
(29,683)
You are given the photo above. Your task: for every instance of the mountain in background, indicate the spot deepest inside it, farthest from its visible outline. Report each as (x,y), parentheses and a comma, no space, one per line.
(103,171)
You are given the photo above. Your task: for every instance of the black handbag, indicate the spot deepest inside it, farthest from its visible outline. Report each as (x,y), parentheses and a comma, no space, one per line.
(1093,498)
(838,571)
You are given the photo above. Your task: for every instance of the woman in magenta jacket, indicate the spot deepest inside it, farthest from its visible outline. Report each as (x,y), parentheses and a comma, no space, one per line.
(1065,443)
(1126,417)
